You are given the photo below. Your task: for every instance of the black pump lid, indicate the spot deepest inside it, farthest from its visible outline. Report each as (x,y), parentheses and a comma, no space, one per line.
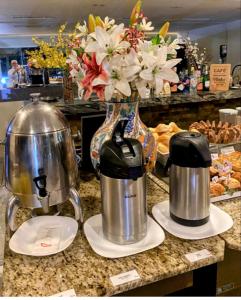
(189,149)
(121,158)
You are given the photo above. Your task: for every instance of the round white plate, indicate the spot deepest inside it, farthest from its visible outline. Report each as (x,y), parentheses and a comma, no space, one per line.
(44,235)
(94,234)
(219,221)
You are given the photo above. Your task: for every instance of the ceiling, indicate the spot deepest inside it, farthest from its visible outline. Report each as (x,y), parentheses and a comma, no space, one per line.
(24,18)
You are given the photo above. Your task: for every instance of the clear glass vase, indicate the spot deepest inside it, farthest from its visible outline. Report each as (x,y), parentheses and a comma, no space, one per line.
(115,111)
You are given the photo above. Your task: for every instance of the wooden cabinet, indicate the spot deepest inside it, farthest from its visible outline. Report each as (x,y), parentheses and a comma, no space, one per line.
(229,274)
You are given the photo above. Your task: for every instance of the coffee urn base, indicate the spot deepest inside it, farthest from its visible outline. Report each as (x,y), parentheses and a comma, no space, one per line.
(191,223)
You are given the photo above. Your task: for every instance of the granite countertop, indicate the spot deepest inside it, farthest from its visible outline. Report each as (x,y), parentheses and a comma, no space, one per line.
(3,200)
(79,267)
(232,237)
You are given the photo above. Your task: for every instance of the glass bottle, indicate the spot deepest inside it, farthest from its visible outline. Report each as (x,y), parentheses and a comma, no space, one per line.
(206,79)
(193,83)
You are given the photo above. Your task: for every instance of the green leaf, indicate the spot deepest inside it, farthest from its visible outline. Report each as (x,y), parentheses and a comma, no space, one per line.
(156,40)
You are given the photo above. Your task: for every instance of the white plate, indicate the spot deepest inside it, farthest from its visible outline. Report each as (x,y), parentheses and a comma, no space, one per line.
(219,221)
(94,234)
(44,235)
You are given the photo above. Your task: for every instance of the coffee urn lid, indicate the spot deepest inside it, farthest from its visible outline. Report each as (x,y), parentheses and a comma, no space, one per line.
(189,149)
(37,118)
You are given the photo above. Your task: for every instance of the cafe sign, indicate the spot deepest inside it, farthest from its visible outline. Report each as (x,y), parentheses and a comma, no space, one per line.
(219,77)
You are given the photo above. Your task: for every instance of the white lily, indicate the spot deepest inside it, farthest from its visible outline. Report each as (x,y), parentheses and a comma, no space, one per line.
(108,23)
(146,26)
(148,53)
(141,86)
(72,58)
(107,43)
(83,30)
(160,70)
(171,48)
(121,72)
(76,72)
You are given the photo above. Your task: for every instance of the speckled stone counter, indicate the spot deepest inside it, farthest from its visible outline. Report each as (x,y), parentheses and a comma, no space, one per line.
(3,199)
(79,267)
(232,237)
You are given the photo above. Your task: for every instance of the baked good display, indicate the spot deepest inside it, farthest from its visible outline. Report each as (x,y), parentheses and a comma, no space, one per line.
(218,132)
(225,174)
(162,134)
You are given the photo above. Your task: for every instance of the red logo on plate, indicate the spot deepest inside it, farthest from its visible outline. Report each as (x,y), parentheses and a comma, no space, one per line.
(45,245)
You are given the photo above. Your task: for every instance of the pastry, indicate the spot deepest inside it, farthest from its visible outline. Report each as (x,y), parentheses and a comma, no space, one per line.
(216,189)
(213,171)
(236,166)
(162,128)
(232,183)
(222,133)
(162,134)
(164,139)
(174,128)
(156,135)
(236,175)
(162,148)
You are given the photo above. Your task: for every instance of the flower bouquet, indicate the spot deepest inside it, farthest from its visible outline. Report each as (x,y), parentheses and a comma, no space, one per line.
(120,66)
(113,61)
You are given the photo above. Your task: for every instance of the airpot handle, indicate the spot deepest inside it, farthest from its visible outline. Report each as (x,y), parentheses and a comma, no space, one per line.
(119,131)
(118,137)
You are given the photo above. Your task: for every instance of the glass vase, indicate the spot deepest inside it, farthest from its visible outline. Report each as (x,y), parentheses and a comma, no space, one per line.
(115,111)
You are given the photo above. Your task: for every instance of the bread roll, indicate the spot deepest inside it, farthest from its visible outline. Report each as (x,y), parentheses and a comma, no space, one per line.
(162,128)
(194,130)
(162,148)
(156,135)
(232,183)
(164,139)
(236,166)
(174,128)
(216,189)
(236,175)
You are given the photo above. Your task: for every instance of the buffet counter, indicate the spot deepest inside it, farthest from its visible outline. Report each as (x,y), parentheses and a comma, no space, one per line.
(79,267)
(52,91)
(232,237)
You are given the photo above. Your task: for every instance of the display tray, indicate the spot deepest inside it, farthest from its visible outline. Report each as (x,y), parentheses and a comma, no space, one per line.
(216,150)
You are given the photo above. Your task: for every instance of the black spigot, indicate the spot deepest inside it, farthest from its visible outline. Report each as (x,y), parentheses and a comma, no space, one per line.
(41,182)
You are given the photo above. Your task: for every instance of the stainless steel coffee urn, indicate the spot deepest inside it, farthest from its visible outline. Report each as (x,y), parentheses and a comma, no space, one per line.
(40,163)
(123,188)
(189,162)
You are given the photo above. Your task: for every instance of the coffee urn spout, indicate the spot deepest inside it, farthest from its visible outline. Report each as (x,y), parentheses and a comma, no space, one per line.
(43,195)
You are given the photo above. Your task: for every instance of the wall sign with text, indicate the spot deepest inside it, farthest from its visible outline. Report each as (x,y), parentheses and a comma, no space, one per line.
(219,77)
